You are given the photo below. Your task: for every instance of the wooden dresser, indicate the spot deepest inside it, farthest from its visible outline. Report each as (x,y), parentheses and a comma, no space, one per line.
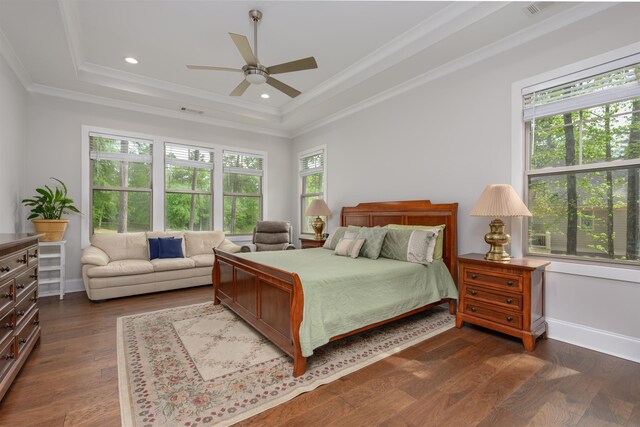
(504,296)
(19,317)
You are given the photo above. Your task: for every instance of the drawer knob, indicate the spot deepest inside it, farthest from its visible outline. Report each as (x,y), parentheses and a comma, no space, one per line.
(509,300)
(33,276)
(20,313)
(20,286)
(9,356)
(473,292)
(8,325)
(509,319)
(474,276)
(7,295)
(36,322)
(5,269)
(510,283)
(33,256)
(33,299)
(22,260)
(22,340)
(473,309)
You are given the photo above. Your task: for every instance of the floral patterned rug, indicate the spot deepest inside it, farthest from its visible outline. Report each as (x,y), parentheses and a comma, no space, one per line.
(202,365)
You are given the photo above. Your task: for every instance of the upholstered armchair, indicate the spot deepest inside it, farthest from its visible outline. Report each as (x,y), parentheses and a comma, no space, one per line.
(270,236)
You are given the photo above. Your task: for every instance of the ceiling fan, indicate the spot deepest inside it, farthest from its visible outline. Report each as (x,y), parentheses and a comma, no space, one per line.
(256,73)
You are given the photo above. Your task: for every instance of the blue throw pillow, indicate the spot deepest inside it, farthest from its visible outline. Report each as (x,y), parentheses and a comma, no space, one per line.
(154,247)
(170,248)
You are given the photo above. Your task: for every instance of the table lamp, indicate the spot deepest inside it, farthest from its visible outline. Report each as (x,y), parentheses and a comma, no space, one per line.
(318,208)
(499,200)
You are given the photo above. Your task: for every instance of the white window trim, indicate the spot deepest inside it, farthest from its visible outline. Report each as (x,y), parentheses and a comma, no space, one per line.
(158,177)
(518,157)
(325,185)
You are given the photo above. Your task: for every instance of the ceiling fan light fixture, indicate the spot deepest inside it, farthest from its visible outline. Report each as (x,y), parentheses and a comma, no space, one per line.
(256,77)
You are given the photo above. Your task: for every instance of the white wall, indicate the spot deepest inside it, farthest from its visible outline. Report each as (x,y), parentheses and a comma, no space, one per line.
(54,149)
(13,138)
(446,140)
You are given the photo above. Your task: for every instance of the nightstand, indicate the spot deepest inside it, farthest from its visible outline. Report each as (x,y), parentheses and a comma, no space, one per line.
(307,243)
(507,297)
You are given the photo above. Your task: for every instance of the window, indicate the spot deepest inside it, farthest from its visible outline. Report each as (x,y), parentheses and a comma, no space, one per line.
(188,188)
(312,174)
(583,162)
(242,187)
(120,184)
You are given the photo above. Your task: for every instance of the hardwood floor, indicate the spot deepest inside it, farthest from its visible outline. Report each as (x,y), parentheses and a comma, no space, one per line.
(462,377)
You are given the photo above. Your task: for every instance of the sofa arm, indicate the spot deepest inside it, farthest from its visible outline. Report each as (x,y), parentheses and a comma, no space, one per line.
(249,247)
(229,246)
(95,256)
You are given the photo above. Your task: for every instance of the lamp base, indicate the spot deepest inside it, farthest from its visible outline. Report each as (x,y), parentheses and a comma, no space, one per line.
(498,239)
(318,226)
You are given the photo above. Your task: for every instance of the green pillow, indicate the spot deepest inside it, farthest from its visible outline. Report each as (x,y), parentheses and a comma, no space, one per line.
(409,245)
(437,252)
(334,238)
(373,240)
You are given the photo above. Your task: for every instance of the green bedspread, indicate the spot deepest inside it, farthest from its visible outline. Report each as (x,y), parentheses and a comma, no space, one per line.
(342,294)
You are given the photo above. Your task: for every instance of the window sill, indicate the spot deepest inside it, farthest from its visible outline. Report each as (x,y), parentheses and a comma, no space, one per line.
(624,273)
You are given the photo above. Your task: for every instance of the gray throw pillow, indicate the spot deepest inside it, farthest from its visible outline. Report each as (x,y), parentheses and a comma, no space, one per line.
(373,240)
(410,245)
(334,238)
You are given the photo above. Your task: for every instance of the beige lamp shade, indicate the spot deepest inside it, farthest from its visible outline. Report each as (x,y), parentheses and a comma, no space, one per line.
(499,200)
(318,207)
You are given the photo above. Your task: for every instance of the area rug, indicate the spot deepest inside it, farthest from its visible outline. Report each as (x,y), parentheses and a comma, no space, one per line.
(202,365)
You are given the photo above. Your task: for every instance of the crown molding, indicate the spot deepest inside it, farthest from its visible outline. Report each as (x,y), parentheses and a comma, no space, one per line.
(72,30)
(553,23)
(158,111)
(437,27)
(9,55)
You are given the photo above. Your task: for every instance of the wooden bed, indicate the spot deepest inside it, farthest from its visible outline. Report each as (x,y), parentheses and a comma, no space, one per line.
(271,300)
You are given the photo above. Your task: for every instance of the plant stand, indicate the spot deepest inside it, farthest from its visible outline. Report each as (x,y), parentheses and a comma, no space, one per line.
(52,264)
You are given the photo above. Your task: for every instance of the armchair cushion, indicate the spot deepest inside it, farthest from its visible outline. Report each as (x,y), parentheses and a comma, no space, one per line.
(95,256)
(270,236)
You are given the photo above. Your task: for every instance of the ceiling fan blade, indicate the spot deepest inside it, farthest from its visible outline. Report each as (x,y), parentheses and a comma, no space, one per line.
(242,43)
(299,65)
(206,67)
(239,90)
(284,88)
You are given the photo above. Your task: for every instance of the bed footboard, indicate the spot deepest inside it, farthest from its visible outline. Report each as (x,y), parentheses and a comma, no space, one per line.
(269,299)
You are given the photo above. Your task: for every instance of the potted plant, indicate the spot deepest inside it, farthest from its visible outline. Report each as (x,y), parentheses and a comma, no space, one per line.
(48,207)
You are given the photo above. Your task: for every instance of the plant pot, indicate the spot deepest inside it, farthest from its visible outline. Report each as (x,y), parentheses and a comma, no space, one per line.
(53,229)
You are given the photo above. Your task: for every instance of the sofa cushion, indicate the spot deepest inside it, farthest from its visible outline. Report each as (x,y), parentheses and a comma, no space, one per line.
(167,264)
(202,242)
(122,246)
(203,260)
(125,267)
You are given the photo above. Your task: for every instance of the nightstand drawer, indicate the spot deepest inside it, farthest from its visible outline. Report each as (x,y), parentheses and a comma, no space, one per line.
(506,300)
(493,278)
(510,319)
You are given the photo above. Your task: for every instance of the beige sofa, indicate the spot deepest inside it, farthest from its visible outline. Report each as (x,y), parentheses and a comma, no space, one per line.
(118,265)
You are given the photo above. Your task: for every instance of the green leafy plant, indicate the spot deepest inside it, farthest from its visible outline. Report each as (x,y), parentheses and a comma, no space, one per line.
(50,204)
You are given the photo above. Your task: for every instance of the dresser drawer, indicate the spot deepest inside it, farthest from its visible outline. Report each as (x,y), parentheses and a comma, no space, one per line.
(510,319)
(493,278)
(28,331)
(24,280)
(506,300)
(32,256)
(12,264)
(7,294)
(26,304)
(7,324)
(7,356)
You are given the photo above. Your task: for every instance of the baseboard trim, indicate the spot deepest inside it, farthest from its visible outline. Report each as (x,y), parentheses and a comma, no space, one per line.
(618,345)
(70,286)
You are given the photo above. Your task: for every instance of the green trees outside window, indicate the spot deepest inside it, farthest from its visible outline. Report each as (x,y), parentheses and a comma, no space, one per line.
(242,187)
(312,176)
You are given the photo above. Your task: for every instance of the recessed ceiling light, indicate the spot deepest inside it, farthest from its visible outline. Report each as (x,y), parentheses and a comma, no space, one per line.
(131,60)
(265,96)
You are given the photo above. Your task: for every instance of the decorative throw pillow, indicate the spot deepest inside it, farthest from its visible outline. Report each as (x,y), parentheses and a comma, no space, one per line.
(170,248)
(349,247)
(374,238)
(154,247)
(410,245)
(334,238)
(437,252)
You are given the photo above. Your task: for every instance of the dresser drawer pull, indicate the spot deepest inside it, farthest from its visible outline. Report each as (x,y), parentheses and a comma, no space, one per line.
(9,356)
(22,340)
(473,309)
(35,276)
(20,313)
(33,256)
(509,300)
(33,299)
(473,293)
(510,283)
(8,325)
(22,260)
(5,269)
(36,322)
(474,276)
(7,295)
(20,286)
(509,319)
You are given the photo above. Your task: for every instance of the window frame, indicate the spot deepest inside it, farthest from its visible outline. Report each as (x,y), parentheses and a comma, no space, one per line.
(302,155)
(581,70)
(260,196)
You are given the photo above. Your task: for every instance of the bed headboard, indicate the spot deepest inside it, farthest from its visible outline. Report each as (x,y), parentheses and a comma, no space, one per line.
(413,212)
